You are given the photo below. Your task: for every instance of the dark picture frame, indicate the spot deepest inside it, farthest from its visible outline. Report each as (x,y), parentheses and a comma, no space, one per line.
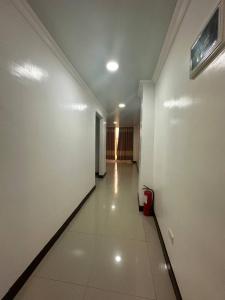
(209,42)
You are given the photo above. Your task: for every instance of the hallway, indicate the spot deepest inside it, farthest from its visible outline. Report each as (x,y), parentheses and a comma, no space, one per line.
(109,251)
(91,81)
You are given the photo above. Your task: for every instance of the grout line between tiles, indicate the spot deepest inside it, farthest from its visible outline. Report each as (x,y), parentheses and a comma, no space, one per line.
(85,293)
(109,236)
(86,286)
(119,293)
(57,280)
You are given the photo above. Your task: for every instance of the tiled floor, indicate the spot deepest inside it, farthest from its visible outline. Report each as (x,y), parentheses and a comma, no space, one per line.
(109,252)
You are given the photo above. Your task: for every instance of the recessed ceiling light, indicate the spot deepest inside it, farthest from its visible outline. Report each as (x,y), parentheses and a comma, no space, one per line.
(113,207)
(122,105)
(112,66)
(118,258)
(115,122)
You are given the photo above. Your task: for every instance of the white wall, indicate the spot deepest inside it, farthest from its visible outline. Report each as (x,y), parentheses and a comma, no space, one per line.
(97,143)
(190,163)
(47,143)
(146,138)
(136,144)
(102,142)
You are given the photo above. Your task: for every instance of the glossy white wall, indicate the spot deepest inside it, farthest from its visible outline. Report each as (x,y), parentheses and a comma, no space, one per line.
(47,137)
(146,138)
(189,163)
(102,154)
(136,144)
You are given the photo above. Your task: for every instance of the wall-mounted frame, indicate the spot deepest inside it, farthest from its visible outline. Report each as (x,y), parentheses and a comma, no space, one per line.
(210,41)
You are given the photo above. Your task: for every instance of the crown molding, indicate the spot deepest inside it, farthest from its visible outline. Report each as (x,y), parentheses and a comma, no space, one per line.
(176,20)
(27,12)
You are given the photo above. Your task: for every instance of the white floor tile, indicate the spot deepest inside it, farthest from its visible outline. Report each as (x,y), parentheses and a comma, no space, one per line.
(44,289)
(70,260)
(122,265)
(150,230)
(96,294)
(161,279)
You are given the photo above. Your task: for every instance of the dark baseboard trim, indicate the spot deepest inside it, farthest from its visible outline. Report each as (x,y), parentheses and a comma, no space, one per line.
(100,176)
(168,263)
(29,270)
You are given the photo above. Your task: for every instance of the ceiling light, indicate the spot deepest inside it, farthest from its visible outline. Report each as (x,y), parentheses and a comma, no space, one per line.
(112,66)
(115,122)
(113,207)
(118,258)
(122,105)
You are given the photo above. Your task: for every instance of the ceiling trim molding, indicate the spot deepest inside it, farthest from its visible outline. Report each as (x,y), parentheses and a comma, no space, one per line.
(27,12)
(176,20)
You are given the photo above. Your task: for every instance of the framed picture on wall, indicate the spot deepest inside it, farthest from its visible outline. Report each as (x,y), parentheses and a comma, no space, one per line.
(209,42)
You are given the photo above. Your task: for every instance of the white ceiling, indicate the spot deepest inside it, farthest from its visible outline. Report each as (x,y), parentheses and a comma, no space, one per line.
(91,32)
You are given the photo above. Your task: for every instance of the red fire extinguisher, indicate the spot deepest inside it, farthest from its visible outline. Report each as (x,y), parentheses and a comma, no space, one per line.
(148,205)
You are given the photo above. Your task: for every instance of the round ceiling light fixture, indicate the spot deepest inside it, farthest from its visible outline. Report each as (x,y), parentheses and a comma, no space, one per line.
(115,122)
(122,105)
(118,258)
(112,66)
(113,207)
